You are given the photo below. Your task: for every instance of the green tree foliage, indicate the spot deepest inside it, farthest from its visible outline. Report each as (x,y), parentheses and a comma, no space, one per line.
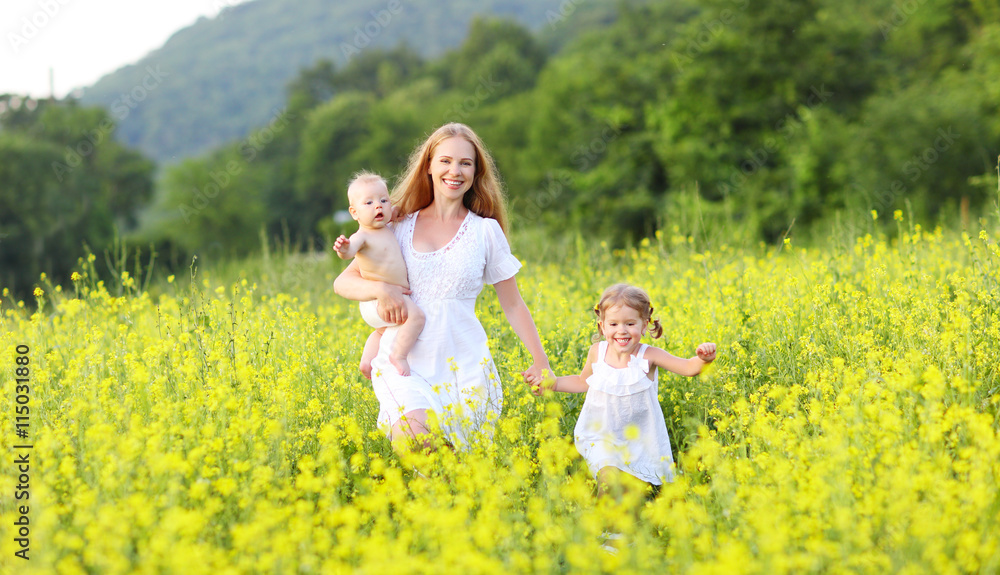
(497,52)
(218,79)
(751,115)
(590,160)
(331,140)
(64,183)
(210,207)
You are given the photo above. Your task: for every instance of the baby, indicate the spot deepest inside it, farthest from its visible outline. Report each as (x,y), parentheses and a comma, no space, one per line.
(379,258)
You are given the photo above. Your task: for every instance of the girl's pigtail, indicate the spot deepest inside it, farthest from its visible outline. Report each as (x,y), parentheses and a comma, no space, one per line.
(655,329)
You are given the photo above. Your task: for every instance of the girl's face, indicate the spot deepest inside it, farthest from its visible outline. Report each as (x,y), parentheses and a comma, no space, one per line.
(452,168)
(623,328)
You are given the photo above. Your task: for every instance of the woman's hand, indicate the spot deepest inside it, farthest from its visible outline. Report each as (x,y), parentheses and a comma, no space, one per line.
(391,305)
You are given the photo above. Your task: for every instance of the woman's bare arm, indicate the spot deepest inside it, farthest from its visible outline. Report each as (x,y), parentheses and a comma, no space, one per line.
(391,305)
(523,325)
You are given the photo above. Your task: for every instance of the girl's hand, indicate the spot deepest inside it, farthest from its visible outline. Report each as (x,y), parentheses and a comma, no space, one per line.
(706,352)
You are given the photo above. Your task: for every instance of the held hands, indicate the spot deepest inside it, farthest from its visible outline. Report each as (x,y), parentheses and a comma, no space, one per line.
(539,376)
(706,352)
(544,381)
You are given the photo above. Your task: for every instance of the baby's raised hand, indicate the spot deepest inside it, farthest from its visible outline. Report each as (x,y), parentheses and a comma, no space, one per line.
(341,246)
(706,352)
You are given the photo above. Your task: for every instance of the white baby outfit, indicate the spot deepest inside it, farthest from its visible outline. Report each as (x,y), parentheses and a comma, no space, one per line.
(369,313)
(452,370)
(622,404)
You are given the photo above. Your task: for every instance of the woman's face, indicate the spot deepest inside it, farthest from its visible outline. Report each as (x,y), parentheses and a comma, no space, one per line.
(452,168)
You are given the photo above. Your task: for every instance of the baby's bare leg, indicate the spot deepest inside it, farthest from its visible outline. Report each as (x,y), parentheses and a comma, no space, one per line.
(406,337)
(370,351)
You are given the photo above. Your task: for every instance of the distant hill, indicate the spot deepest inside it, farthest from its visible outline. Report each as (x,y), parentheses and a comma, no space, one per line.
(216,80)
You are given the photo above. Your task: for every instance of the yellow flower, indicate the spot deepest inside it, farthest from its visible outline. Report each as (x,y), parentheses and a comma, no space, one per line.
(75,276)
(39,292)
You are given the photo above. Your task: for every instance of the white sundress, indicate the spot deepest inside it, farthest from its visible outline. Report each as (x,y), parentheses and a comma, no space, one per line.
(452,370)
(621,423)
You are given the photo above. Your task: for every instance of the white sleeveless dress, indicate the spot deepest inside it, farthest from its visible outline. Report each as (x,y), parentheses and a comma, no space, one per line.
(452,370)
(621,423)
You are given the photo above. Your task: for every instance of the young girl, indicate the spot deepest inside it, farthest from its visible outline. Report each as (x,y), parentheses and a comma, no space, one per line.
(621,426)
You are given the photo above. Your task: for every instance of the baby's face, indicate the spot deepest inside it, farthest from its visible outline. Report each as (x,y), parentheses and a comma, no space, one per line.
(370,204)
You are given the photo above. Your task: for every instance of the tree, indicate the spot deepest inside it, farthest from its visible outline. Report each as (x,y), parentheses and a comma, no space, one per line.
(65,183)
(498,56)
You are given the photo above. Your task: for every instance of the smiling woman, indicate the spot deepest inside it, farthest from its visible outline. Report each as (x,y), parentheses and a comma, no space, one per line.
(453,242)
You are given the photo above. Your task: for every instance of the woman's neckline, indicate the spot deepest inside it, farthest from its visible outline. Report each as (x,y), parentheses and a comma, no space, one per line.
(454,238)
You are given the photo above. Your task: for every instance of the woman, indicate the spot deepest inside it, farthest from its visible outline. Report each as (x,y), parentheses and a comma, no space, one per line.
(451,228)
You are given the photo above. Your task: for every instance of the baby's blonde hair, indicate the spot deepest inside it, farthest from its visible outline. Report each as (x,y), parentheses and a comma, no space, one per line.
(364,177)
(630,296)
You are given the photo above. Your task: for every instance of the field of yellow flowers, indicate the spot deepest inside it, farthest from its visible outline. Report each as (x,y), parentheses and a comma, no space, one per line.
(215,422)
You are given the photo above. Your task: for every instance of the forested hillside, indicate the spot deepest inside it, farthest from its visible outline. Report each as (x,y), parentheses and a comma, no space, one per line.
(736,121)
(736,117)
(219,78)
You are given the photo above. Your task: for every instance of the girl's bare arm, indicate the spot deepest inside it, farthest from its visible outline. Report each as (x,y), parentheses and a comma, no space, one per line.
(572,383)
(687,367)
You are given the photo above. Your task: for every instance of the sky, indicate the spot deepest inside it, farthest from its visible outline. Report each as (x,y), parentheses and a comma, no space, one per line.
(82,40)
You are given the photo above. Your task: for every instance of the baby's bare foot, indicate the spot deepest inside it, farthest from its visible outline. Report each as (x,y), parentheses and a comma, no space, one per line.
(400,363)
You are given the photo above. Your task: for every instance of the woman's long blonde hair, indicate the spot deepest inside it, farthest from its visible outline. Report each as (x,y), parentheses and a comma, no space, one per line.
(486,197)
